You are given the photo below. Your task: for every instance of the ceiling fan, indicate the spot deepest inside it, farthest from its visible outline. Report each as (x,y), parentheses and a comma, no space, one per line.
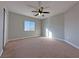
(39,10)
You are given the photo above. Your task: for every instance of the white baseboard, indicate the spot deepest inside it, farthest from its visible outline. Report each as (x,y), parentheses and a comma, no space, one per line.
(21,38)
(68,43)
(1,52)
(71,44)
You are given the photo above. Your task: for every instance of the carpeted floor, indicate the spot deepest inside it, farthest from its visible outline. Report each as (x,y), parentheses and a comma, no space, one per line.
(39,47)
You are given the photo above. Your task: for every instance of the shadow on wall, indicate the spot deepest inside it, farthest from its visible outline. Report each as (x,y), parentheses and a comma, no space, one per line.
(48,33)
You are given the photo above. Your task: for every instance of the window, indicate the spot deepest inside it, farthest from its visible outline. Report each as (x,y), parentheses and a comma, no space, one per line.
(29,25)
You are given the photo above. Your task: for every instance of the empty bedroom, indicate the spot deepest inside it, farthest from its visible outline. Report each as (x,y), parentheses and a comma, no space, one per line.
(39,29)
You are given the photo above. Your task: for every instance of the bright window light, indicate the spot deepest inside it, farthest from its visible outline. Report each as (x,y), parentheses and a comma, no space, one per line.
(49,34)
(29,25)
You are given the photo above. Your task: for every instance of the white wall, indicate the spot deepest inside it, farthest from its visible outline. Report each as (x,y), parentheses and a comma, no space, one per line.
(1,30)
(16,26)
(72,25)
(55,26)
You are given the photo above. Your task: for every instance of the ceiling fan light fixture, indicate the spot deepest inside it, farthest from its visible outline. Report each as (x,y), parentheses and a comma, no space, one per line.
(39,14)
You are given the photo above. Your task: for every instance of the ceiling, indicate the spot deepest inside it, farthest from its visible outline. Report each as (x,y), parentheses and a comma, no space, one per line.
(21,7)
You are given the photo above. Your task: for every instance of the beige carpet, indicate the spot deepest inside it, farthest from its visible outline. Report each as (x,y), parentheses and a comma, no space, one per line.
(39,47)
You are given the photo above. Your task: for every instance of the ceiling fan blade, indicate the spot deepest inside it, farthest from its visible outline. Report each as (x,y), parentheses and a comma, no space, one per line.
(36,14)
(41,9)
(45,12)
(34,11)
